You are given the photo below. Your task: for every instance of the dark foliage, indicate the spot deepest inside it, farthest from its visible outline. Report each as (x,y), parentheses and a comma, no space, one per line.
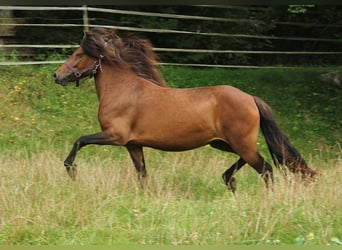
(323,22)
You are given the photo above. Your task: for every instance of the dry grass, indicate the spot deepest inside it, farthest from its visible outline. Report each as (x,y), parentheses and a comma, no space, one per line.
(183,202)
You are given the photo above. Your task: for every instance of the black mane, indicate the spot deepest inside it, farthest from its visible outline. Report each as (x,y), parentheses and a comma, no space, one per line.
(130,50)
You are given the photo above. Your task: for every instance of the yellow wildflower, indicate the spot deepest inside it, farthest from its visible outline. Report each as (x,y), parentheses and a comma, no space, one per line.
(310,236)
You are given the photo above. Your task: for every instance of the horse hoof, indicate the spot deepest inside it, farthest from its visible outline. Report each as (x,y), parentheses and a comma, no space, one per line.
(231,184)
(72,171)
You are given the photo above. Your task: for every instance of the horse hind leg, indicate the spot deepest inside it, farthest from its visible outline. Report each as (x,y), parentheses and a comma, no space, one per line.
(251,156)
(264,169)
(228,175)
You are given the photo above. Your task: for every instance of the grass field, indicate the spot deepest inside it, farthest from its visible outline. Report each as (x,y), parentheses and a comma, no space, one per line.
(184,200)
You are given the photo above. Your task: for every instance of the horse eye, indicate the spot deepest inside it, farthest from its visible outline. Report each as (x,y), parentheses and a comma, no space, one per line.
(79,55)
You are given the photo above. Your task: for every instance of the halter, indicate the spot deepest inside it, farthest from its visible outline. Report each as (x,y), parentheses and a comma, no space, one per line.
(78,73)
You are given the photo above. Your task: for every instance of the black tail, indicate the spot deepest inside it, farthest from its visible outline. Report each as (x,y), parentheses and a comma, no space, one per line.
(282,151)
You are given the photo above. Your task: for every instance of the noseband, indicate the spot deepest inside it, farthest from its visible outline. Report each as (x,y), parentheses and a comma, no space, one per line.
(78,73)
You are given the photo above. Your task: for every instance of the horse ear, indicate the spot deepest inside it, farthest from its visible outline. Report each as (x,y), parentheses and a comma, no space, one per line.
(85,33)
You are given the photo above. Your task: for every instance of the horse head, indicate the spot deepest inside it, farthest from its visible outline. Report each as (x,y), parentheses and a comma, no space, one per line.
(85,61)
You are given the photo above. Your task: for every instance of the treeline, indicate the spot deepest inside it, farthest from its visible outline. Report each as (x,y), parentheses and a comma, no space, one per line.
(252,28)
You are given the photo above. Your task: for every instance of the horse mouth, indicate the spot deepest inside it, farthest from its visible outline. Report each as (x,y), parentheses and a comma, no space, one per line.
(61,80)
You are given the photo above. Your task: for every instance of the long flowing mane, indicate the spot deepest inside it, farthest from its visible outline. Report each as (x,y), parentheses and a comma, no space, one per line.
(131,50)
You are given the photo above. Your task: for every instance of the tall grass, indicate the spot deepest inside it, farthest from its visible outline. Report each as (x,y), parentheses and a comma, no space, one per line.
(183,202)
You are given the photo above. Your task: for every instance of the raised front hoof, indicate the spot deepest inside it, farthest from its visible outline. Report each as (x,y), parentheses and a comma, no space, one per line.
(71,170)
(231,184)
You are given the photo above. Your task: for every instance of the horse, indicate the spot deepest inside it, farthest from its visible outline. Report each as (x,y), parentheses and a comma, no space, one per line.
(137,109)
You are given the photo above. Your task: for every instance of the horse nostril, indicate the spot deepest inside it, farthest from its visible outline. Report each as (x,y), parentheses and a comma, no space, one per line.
(54,75)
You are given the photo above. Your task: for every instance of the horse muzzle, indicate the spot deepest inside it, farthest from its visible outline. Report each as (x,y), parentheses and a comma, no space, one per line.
(61,79)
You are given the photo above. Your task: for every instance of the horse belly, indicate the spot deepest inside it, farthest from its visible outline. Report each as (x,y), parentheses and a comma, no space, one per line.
(175,143)
(179,140)
(176,131)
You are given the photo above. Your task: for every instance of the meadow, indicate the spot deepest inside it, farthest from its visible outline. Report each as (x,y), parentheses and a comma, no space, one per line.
(184,201)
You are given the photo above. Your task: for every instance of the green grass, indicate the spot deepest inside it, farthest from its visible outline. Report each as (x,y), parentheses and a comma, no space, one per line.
(184,200)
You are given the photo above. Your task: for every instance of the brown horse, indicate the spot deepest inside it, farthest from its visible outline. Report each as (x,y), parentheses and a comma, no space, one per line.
(137,110)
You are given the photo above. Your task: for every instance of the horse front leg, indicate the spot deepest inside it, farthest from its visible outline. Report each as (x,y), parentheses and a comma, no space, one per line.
(99,138)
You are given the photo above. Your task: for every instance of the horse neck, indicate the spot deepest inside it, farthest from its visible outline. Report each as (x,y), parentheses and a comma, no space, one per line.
(114,80)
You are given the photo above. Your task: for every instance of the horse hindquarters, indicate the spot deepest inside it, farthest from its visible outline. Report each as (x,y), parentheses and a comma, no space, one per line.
(239,125)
